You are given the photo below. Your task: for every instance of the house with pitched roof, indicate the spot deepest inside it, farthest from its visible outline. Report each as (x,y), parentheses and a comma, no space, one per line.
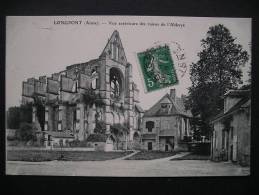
(232,129)
(166,125)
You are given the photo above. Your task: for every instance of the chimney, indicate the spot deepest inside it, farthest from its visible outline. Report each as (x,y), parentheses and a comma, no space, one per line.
(172,94)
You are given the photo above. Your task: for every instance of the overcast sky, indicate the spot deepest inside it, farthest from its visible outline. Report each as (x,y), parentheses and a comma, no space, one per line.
(35,46)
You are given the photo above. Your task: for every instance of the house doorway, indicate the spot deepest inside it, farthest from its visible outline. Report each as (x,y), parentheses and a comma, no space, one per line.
(231,152)
(166,148)
(149,145)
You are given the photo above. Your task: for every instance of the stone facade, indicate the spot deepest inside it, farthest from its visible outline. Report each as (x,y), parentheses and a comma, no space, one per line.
(166,125)
(232,129)
(107,79)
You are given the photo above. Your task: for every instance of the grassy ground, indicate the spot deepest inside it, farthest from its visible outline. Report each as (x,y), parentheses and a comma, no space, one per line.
(37,156)
(193,157)
(150,155)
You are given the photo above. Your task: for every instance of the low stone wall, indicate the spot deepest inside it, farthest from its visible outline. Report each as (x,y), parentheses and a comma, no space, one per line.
(49,148)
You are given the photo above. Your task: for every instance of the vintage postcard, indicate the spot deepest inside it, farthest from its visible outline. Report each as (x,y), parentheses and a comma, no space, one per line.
(128,96)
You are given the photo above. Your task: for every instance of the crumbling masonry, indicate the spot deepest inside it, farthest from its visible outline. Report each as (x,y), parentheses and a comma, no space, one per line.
(109,77)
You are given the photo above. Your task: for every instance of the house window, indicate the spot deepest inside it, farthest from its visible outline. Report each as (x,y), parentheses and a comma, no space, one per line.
(94,81)
(59,126)
(215,139)
(77,114)
(231,132)
(150,125)
(46,115)
(60,114)
(61,142)
(77,125)
(149,145)
(85,113)
(185,126)
(74,89)
(223,139)
(33,115)
(165,107)
(85,125)
(46,126)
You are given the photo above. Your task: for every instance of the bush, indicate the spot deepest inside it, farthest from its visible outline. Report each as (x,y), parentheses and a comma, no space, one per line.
(26,113)
(77,143)
(11,138)
(100,127)
(26,132)
(13,117)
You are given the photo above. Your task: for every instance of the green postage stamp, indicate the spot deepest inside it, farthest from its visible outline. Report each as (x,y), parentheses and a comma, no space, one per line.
(157,68)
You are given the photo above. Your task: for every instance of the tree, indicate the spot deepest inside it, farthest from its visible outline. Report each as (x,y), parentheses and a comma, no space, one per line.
(39,104)
(26,113)
(13,117)
(217,70)
(26,132)
(119,130)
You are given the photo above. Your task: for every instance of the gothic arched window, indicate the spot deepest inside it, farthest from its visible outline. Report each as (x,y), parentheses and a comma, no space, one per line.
(115,87)
(116,83)
(94,80)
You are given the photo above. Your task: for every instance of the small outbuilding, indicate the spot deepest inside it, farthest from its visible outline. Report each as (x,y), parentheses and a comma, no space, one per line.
(232,129)
(57,138)
(101,142)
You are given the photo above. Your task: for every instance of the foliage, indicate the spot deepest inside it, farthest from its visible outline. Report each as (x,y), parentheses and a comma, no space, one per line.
(119,129)
(100,127)
(78,143)
(89,97)
(122,108)
(38,103)
(197,126)
(26,132)
(98,101)
(246,87)
(10,138)
(26,113)
(17,115)
(13,117)
(217,70)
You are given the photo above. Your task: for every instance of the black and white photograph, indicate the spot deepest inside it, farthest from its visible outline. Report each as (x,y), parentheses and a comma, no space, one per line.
(128,96)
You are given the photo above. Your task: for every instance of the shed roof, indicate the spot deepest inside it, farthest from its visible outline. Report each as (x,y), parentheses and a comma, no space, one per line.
(149,136)
(244,102)
(166,132)
(240,92)
(96,137)
(60,134)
